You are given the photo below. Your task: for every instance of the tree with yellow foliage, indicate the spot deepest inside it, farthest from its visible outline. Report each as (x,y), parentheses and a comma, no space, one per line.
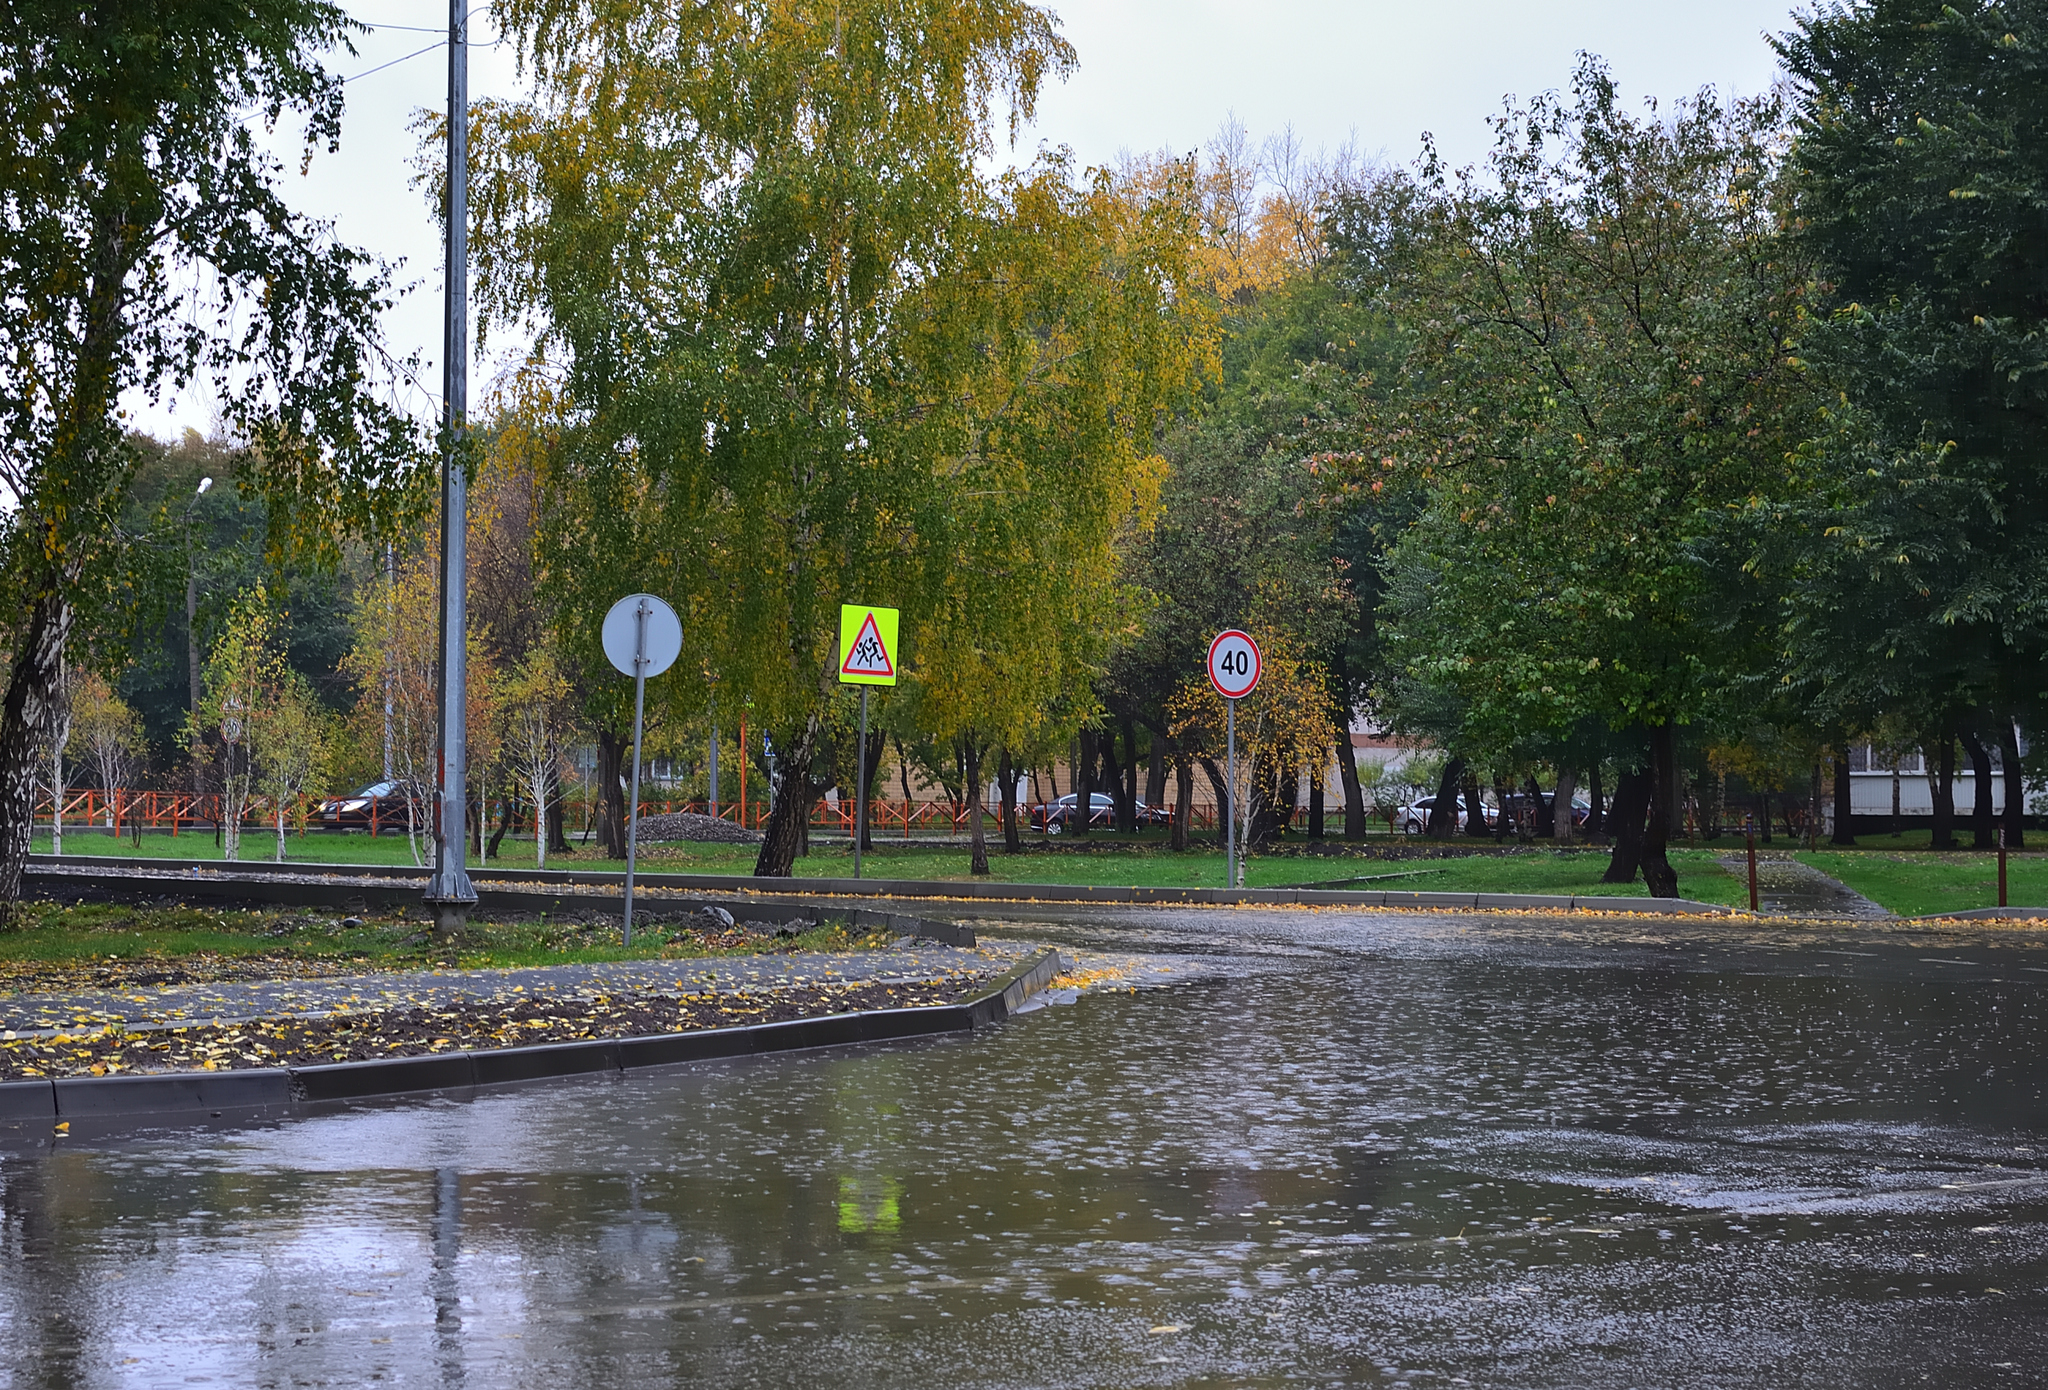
(291,742)
(238,683)
(1283,729)
(801,350)
(111,733)
(394,656)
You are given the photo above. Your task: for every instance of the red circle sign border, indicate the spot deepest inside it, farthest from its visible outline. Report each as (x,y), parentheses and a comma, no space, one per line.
(1258,663)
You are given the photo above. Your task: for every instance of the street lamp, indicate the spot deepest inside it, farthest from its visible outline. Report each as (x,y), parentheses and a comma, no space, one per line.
(192,640)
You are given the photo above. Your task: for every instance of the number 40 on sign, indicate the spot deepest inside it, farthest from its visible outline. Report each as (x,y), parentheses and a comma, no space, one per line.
(1234,663)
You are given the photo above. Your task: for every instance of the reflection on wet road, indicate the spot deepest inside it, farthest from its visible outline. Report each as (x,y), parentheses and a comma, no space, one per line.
(1344,1150)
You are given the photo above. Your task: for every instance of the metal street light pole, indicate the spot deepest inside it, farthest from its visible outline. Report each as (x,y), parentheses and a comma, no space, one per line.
(449,891)
(192,603)
(191,661)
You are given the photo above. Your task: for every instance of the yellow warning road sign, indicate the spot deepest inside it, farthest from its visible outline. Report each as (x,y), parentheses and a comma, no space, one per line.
(867,645)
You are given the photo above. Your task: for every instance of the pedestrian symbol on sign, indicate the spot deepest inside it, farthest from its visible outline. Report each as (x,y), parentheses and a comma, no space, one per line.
(868,657)
(867,645)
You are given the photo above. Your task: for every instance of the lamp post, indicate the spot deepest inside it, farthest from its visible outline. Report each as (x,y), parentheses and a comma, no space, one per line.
(192,645)
(192,603)
(449,891)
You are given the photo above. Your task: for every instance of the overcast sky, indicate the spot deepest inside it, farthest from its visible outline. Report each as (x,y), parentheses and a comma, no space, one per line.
(1154,74)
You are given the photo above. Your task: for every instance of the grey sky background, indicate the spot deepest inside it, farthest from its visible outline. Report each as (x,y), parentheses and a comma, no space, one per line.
(1154,74)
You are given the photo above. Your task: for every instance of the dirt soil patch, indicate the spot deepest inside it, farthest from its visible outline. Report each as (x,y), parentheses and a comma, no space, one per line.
(461,1026)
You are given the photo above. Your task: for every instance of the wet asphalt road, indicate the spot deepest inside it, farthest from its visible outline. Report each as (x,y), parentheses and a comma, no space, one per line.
(1341,1149)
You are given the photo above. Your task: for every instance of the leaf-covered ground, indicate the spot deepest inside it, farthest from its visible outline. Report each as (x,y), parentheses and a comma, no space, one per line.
(453,1026)
(113,945)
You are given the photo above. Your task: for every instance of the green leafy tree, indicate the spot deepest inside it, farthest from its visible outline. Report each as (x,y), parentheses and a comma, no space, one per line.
(1604,376)
(1919,170)
(143,246)
(1247,533)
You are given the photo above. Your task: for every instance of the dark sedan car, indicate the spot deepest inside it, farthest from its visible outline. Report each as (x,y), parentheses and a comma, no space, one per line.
(385,801)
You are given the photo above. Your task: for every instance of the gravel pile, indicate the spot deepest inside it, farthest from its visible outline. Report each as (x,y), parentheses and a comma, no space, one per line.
(688,825)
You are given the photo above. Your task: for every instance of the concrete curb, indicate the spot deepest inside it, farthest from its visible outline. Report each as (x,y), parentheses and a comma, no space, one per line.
(46,874)
(257,1092)
(1985,914)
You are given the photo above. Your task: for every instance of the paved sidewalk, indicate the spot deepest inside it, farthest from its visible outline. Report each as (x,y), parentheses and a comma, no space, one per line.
(1786,885)
(229,1001)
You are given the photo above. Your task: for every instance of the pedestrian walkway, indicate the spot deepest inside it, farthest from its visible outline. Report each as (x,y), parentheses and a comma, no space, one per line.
(1786,885)
(175,1005)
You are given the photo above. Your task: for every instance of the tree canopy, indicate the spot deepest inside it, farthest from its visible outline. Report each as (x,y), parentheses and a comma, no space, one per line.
(143,245)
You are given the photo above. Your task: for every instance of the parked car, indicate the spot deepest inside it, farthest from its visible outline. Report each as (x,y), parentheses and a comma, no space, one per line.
(1415,815)
(1055,816)
(354,812)
(1518,805)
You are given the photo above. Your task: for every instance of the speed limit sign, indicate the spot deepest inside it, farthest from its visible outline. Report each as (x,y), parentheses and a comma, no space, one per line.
(1234,664)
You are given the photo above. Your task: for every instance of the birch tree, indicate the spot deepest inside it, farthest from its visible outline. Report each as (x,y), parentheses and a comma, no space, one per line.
(144,245)
(112,735)
(238,688)
(534,714)
(747,237)
(290,745)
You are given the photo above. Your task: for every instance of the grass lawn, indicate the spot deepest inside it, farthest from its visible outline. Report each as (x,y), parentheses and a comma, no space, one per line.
(1700,876)
(1917,884)
(114,942)
(260,847)
(1106,862)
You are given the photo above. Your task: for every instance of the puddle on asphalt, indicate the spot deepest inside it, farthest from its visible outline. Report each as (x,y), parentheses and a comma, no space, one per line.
(1341,1166)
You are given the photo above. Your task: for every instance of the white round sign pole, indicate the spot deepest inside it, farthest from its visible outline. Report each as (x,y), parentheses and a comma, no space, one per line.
(1231,876)
(1235,663)
(642,637)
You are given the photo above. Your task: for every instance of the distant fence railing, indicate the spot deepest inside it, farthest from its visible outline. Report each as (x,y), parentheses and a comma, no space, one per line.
(124,810)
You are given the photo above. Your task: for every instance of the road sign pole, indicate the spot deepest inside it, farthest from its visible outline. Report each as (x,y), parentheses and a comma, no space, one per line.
(867,656)
(860,783)
(639,709)
(1230,784)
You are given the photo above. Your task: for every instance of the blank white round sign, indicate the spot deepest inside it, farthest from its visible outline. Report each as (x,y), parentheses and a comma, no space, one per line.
(622,635)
